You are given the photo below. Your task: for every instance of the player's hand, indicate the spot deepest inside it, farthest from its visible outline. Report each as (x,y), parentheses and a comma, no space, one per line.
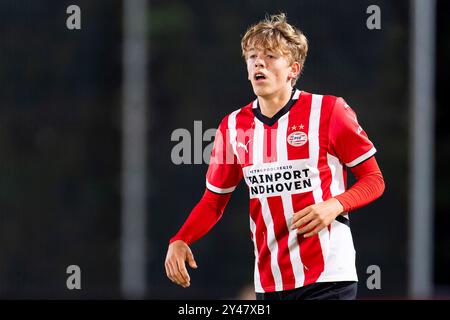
(310,220)
(177,255)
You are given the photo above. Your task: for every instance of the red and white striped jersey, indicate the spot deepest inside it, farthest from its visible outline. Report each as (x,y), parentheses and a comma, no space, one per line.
(294,159)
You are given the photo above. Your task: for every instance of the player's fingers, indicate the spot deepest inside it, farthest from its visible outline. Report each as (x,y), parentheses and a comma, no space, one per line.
(178,273)
(310,226)
(191,260)
(302,222)
(178,279)
(314,232)
(172,276)
(166,266)
(184,274)
(300,214)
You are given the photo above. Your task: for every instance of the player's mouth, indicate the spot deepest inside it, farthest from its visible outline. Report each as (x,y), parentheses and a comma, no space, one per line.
(259,77)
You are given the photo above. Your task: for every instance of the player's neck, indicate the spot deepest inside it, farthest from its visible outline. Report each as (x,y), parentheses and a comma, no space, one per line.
(271,104)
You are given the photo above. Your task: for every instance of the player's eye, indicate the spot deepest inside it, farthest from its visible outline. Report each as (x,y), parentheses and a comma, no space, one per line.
(252,56)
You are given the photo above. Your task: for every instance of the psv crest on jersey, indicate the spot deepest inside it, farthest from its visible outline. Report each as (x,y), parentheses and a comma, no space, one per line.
(297,138)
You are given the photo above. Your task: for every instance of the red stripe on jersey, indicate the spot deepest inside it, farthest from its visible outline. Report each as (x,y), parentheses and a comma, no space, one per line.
(310,248)
(299,121)
(265,270)
(282,236)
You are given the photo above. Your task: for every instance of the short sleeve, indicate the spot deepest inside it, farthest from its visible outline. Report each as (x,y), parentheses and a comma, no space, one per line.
(224,172)
(347,139)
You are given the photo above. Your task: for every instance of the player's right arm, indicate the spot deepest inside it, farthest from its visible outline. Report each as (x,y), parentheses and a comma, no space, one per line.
(202,218)
(224,173)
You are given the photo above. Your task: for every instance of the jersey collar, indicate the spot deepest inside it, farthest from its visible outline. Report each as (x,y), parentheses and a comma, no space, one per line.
(271,121)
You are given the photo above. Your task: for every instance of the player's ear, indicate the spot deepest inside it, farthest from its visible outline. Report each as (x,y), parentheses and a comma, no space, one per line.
(295,70)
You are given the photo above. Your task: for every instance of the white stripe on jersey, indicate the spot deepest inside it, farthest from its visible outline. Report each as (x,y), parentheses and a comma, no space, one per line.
(219,190)
(233,131)
(337,185)
(360,159)
(337,175)
(313,136)
(258,285)
(314,147)
(282,155)
(258,141)
(294,252)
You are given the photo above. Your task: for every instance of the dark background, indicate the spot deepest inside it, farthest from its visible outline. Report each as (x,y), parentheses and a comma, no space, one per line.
(60,138)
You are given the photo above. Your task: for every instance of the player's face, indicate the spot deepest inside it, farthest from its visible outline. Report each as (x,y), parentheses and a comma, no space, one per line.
(270,72)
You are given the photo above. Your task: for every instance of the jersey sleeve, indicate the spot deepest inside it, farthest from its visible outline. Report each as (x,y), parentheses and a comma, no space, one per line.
(224,171)
(347,140)
(368,187)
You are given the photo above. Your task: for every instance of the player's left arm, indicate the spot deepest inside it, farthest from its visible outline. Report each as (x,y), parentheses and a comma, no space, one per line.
(350,144)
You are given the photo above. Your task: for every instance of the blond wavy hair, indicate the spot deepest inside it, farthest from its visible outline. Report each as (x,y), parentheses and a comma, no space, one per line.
(274,33)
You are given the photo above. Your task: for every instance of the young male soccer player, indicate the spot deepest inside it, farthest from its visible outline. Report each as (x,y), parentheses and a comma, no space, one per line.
(293,149)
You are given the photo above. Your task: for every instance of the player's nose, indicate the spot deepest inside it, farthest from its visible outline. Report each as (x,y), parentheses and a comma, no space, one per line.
(259,62)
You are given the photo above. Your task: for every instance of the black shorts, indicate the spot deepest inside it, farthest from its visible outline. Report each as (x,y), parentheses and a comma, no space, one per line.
(340,290)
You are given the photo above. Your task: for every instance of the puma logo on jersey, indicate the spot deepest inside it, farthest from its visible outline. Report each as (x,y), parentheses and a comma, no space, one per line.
(240,144)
